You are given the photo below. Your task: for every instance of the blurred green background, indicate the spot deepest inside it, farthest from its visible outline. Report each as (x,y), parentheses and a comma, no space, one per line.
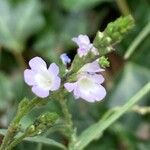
(44,28)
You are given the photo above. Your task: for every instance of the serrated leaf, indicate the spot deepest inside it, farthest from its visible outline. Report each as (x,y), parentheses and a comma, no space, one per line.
(18,22)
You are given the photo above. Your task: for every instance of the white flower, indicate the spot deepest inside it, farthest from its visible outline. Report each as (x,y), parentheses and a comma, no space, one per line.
(40,78)
(88,85)
(85,46)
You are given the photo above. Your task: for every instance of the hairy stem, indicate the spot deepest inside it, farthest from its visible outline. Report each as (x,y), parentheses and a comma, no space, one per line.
(67,115)
(15,142)
(68,121)
(14,125)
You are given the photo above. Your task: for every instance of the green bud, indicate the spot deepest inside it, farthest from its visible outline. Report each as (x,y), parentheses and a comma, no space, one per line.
(117,29)
(30,130)
(100,35)
(42,123)
(113,33)
(103,61)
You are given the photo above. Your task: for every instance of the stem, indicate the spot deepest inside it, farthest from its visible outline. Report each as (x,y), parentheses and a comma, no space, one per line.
(9,136)
(14,125)
(15,142)
(137,41)
(67,115)
(20,60)
(68,120)
(0,54)
(123,6)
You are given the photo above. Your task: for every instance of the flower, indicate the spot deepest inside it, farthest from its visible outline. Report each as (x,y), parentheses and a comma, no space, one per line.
(88,85)
(42,79)
(65,59)
(84,44)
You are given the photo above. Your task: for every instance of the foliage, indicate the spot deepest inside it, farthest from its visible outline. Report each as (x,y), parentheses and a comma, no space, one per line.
(45,28)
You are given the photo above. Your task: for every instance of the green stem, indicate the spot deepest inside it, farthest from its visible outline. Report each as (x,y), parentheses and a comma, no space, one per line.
(68,121)
(137,41)
(97,129)
(15,142)
(67,115)
(14,125)
(19,58)
(123,6)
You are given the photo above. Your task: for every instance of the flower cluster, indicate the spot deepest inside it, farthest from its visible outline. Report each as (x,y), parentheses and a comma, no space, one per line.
(88,85)
(89,79)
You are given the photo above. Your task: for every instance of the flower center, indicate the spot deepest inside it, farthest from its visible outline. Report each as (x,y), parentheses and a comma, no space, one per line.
(44,79)
(85,83)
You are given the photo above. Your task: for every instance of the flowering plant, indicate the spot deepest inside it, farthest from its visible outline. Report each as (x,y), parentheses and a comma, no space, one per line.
(83,78)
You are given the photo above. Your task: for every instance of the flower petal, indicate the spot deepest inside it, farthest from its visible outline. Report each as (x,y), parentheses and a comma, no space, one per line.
(53,68)
(81,40)
(91,67)
(29,77)
(65,59)
(37,64)
(69,86)
(90,90)
(98,93)
(56,84)
(76,92)
(97,78)
(82,52)
(87,96)
(40,92)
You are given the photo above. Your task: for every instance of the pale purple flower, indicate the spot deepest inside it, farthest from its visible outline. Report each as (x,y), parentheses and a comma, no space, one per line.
(91,68)
(65,59)
(85,45)
(88,85)
(41,79)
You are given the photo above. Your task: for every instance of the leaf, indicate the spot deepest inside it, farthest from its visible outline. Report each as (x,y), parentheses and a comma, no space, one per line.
(39,139)
(19,22)
(133,77)
(77,5)
(51,43)
(6,93)
(3,131)
(97,129)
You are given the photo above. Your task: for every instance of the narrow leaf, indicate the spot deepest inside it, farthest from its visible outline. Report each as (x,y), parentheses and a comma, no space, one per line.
(98,128)
(39,139)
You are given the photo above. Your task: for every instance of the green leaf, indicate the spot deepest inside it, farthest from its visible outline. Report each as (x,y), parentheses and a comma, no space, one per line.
(137,41)
(77,5)
(39,139)
(51,43)
(19,22)
(97,129)
(132,77)
(6,93)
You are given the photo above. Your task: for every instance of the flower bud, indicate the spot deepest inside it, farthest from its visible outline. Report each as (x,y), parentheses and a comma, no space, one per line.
(103,61)
(43,122)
